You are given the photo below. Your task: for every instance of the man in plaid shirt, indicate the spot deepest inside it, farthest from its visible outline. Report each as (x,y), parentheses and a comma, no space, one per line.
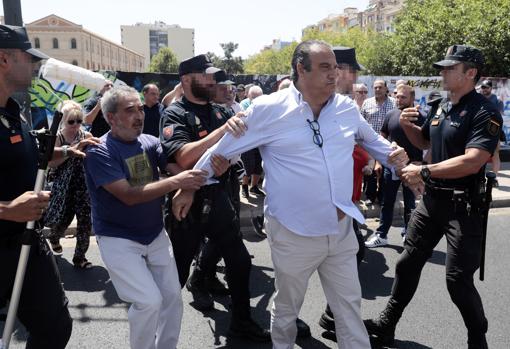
(374,110)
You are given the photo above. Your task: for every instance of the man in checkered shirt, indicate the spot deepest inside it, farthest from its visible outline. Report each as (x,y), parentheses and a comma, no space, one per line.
(374,110)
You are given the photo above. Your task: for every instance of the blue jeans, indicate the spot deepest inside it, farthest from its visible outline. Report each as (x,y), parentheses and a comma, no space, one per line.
(389,196)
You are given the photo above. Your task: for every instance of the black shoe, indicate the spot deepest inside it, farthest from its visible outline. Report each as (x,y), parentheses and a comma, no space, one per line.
(202,299)
(258,225)
(382,328)
(245,192)
(303,330)
(257,192)
(329,335)
(248,329)
(327,322)
(215,286)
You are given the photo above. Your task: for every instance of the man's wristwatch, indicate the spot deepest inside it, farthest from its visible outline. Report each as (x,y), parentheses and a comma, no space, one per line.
(425,173)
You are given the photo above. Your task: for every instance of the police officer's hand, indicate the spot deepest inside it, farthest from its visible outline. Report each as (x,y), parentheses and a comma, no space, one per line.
(411,175)
(29,206)
(181,203)
(398,157)
(235,125)
(219,164)
(77,150)
(409,115)
(189,179)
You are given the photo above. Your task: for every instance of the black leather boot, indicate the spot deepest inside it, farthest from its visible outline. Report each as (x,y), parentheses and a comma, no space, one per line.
(383,327)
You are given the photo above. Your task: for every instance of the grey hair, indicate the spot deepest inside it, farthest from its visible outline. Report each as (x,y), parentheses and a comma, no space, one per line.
(302,55)
(255,91)
(110,100)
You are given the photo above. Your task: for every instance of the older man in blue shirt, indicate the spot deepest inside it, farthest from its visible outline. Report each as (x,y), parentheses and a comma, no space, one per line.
(306,136)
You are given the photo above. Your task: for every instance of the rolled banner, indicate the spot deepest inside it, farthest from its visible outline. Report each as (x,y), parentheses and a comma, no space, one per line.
(72,74)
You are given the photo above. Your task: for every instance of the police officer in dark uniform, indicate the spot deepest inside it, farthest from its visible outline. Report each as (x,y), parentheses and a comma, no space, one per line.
(43,304)
(462,133)
(188,128)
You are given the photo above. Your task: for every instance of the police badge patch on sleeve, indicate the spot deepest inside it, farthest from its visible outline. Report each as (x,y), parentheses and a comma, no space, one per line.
(168,132)
(493,127)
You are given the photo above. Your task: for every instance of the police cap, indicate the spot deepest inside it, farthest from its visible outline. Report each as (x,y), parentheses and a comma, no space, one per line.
(197,64)
(347,55)
(486,83)
(460,53)
(16,38)
(221,78)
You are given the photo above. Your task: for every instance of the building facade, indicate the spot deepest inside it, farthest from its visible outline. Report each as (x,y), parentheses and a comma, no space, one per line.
(379,16)
(150,38)
(71,43)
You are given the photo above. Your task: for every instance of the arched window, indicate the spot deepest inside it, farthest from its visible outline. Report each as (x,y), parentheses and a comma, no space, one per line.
(55,43)
(73,43)
(74,62)
(37,43)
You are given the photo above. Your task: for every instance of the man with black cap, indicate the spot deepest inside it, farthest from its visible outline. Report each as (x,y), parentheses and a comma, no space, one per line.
(43,304)
(188,128)
(486,91)
(462,134)
(347,68)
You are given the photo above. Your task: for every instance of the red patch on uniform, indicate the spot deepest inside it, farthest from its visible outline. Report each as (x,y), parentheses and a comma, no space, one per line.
(168,132)
(202,133)
(16,139)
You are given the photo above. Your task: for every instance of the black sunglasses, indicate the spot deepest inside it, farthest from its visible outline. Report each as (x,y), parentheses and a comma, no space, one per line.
(484,87)
(71,122)
(316,128)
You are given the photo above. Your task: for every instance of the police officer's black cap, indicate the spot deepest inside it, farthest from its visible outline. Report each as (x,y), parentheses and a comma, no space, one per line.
(221,78)
(460,53)
(434,97)
(197,64)
(347,55)
(486,83)
(16,38)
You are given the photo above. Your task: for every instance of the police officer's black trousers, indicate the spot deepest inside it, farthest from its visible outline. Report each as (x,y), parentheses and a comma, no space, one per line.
(432,219)
(223,232)
(43,304)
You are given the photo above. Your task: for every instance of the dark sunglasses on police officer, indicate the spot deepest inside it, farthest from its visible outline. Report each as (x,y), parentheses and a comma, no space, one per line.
(71,122)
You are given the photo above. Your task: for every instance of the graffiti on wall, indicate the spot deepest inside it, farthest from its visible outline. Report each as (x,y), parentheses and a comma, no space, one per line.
(46,93)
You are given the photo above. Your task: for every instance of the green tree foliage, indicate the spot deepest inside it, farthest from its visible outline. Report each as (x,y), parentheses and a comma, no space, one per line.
(423,31)
(164,61)
(229,63)
(270,61)
(426,28)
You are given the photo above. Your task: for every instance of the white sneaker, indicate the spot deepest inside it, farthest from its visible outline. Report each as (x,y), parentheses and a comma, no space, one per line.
(376,241)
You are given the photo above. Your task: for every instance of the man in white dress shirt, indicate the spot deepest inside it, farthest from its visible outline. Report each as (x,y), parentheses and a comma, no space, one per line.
(306,135)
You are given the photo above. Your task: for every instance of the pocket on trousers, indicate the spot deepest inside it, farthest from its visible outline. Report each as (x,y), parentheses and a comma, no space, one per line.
(161,254)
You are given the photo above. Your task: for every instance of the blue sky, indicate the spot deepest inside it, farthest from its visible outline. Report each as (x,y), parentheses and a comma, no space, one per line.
(250,23)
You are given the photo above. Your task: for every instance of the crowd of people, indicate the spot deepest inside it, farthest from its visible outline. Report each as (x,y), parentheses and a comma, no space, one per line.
(160,185)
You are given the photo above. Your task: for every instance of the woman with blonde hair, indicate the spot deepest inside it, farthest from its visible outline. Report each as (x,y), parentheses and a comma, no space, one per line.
(69,195)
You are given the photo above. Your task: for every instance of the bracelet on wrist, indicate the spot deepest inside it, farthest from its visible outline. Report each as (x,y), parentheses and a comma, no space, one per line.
(65,153)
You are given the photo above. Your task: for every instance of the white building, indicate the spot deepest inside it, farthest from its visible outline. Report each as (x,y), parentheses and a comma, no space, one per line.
(149,38)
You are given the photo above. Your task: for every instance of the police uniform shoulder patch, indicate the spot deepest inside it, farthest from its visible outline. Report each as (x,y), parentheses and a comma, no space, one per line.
(197,120)
(218,115)
(168,132)
(493,127)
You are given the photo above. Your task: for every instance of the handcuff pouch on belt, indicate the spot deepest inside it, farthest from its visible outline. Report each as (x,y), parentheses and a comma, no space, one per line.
(464,200)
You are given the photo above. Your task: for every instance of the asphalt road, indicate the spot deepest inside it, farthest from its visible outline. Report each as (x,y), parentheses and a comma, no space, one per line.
(430,321)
